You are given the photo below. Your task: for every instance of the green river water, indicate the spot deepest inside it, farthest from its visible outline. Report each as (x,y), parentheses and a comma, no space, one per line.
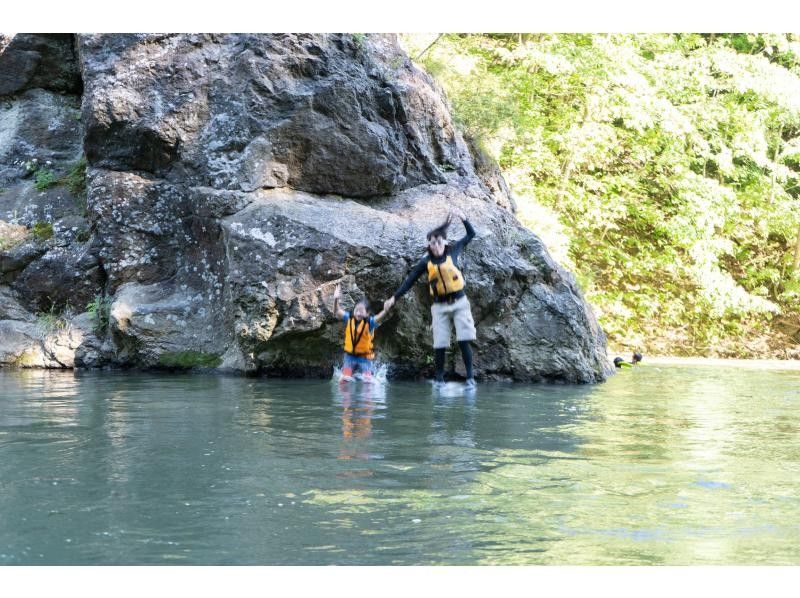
(662,464)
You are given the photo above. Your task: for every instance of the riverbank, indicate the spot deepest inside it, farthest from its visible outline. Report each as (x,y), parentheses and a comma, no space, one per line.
(773,364)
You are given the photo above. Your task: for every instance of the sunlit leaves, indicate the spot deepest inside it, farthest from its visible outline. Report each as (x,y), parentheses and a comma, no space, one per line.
(670,162)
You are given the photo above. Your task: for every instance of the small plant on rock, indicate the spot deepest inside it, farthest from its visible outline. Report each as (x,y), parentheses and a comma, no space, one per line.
(358,40)
(42,230)
(75,179)
(45,179)
(51,321)
(100,309)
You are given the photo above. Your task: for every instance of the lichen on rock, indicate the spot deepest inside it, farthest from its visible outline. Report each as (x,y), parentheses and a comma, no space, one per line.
(233,180)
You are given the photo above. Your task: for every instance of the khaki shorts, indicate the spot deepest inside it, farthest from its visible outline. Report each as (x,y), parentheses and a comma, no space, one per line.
(461,315)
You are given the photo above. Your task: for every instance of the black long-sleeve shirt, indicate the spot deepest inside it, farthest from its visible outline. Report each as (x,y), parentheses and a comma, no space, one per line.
(421,267)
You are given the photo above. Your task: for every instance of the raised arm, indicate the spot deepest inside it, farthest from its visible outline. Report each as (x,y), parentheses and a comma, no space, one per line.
(338,311)
(383,313)
(462,242)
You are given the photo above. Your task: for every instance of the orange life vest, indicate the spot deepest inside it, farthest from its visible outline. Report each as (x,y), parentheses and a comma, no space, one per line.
(358,338)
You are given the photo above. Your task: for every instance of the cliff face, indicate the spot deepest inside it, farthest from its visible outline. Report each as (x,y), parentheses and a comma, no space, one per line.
(231,182)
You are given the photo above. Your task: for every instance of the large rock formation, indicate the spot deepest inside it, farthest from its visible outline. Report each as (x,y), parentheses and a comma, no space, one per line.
(232,182)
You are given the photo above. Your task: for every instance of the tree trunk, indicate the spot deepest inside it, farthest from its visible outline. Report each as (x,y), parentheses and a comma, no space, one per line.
(775,156)
(420,55)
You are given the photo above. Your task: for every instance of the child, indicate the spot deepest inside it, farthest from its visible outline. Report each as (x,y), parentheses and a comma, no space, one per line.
(358,336)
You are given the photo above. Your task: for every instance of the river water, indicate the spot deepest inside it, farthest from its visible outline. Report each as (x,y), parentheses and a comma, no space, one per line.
(662,464)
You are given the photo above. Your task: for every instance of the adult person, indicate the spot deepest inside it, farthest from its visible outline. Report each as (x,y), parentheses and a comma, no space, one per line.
(447,288)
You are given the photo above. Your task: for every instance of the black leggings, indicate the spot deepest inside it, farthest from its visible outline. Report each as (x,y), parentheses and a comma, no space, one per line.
(466,355)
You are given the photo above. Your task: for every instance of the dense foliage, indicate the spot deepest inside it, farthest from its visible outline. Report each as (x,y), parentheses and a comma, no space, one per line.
(664,170)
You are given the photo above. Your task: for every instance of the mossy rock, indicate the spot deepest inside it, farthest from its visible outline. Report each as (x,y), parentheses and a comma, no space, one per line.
(189,359)
(42,230)
(28,359)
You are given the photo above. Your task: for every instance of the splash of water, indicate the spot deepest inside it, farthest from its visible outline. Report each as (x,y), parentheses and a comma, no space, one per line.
(379,372)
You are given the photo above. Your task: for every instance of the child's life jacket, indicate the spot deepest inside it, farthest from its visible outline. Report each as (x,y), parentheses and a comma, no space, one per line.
(358,338)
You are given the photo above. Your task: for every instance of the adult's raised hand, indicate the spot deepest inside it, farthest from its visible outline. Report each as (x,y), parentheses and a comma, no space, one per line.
(458,213)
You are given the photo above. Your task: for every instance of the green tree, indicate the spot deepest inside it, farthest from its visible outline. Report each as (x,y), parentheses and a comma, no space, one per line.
(663,169)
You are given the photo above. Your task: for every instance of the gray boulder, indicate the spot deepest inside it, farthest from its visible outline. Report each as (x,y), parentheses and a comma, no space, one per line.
(16,258)
(158,326)
(10,308)
(39,60)
(38,127)
(34,344)
(287,251)
(234,180)
(63,277)
(242,112)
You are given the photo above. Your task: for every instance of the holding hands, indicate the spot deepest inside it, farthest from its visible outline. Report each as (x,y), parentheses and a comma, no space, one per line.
(339,312)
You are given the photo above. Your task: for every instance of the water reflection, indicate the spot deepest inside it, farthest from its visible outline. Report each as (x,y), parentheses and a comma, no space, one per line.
(360,404)
(657,466)
(452,436)
(38,398)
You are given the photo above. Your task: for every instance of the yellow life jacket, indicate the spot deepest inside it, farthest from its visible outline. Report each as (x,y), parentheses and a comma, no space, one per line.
(358,338)
(444,278)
